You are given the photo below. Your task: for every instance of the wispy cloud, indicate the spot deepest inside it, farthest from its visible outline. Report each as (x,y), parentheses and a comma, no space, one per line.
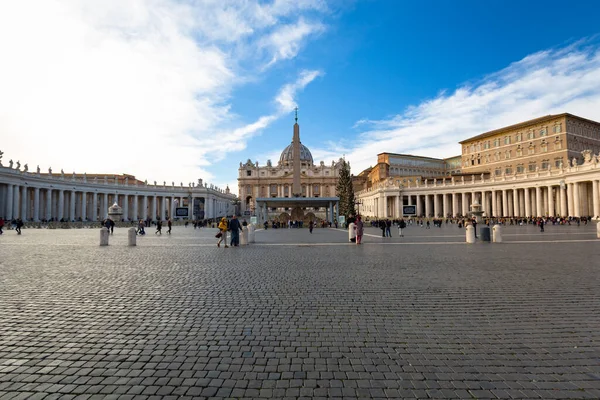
(145,84)
(552,81)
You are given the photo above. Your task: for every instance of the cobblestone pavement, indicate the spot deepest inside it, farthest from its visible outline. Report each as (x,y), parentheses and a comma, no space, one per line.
(300,316)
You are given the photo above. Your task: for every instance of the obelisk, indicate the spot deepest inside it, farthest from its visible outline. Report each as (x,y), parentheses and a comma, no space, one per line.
(296,187)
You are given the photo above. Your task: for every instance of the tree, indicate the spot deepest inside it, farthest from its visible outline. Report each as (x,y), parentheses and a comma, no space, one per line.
(345,191)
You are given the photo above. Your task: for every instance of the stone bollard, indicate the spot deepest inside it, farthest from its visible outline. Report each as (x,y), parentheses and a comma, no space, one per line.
(470,234)
(244,236)
(251,233)
(598,230)
(497,234)
(351,232)
(131,236)
(104,237)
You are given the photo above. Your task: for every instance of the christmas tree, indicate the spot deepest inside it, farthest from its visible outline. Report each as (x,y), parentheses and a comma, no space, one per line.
(345,191)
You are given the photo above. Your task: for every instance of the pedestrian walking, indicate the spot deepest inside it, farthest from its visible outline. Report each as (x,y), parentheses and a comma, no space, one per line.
(158,227)
(359,227)
(19,225)
(311,224)
(235,227)
(388,228)
(169,225)
(222,234)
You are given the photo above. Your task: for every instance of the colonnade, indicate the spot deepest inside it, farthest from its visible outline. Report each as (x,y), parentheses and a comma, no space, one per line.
(560,199)
(40,201)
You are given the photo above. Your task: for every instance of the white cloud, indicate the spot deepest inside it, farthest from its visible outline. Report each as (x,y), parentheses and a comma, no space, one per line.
(136,86)
(547,82)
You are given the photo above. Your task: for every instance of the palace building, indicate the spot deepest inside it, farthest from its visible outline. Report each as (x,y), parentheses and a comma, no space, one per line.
(547,166)
(296,188)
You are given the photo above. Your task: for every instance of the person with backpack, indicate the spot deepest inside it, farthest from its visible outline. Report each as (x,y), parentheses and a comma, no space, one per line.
(222,234)
(401,226)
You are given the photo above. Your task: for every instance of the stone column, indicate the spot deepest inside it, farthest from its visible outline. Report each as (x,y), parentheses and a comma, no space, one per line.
(105,205)
(331,212)
(16,203)
(484,203)
(495,203)
(527,203)
(427,206)
(504,203)
(36,204)
(24,203)
(465,205)
(436,205)
(564,211)
(445,204)
(61,204)
(576,202)
(144,207)
(550,202)
(596,198)
(538,202)
(135,208)
(419,206)
(83,206)
(454,205)
(48,204)
(125,206)
(173,206)
(191,208)
(521,203)
(72,206)
(570,200)
(516,203)
(95,206)
(399,202)
(9,202)
(510,205)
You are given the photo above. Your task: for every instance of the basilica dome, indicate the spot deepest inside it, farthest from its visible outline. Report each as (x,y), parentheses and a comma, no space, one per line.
(287,155)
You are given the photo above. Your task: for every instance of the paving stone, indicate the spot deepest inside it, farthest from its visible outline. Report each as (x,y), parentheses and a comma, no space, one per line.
(300,316)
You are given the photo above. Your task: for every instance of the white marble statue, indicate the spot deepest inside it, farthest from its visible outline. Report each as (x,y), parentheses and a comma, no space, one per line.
(85,176)
(587,156)
(574,162)
(73,176)
(62,173)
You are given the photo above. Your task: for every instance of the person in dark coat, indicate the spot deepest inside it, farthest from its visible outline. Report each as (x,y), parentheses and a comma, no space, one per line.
(235,227)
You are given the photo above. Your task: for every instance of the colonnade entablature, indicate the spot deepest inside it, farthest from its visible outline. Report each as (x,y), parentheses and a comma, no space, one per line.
(571,190)
(36,196)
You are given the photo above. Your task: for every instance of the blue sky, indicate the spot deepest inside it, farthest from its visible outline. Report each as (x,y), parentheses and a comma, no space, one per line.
(199,86)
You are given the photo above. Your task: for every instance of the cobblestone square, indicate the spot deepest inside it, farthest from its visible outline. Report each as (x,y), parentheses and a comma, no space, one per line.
(300,315)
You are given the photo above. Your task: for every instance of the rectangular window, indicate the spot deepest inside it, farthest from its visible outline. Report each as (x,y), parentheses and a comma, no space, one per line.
(507,140)
(558,162)
(519,137)
(531,135)
(508,171)
(531,150)
(532,167)
(543,132)
(558,145)
(520,169)
(248,173)
(557,128)
(498,172)
(496,142)
(545,165)
(486,145)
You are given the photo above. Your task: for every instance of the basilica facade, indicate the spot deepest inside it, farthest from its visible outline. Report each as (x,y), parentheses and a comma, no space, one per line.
(274,184)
